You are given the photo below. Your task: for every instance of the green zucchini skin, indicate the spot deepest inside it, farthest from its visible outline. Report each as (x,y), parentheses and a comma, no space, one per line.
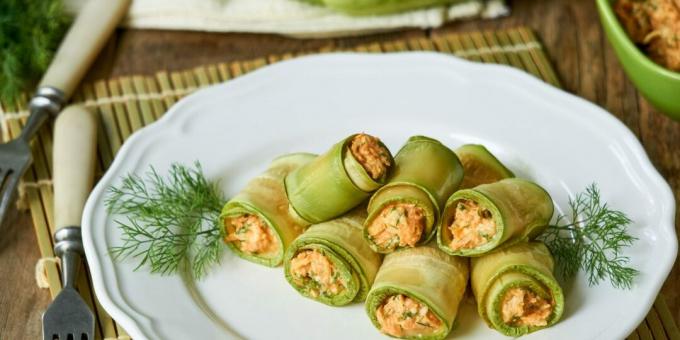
(521,210)
(265,197)
(426,274)
(324,188)
(528,265)
(341,241)
(426,172)
(379,7)
(480,166)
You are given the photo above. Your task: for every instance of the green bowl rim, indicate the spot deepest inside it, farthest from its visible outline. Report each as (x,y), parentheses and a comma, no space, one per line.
(610,19)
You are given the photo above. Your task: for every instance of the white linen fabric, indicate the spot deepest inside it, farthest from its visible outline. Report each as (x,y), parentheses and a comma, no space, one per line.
(289,17)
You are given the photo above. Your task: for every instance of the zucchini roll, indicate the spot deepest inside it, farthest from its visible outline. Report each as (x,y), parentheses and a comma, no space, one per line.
(257,222)
(331,263)
(417,292)
(403,213)
(378,7)
(480,166)
(515,289)
(337,181)
(478,220)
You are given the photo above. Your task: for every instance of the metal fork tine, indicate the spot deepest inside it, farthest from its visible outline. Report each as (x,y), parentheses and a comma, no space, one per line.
(8,184)
(3,174)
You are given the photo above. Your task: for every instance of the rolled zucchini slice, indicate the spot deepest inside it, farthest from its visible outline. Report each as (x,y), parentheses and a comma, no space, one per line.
(515,289)
(339,180)
(379,7)
(486,217)
(331,263)
(404,212)
(257,221)
(417,292)
(480,166)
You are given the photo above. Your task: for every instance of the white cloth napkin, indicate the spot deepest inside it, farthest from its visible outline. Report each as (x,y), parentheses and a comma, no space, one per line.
(290,17)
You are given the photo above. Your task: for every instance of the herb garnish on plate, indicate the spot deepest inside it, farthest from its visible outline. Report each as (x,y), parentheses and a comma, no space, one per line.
(169,220)
(592,240)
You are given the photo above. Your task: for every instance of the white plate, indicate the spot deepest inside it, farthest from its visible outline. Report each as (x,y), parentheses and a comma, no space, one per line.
(234,129)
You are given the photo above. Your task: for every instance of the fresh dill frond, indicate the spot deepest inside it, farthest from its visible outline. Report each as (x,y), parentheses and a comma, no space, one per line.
(30,32)
(168,220)
(592,240)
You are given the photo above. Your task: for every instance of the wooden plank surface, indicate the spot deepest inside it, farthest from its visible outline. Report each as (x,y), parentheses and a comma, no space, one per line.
(570,31)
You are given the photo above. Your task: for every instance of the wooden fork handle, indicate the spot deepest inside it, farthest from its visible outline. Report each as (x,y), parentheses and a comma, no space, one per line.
(74,156)
(81,45)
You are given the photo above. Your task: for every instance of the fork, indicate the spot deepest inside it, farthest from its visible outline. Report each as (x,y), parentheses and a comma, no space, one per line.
(75,134)
(68,316)
(80,46)
(15,156)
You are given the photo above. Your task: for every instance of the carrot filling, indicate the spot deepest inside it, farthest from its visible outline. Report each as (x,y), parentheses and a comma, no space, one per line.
(522,307)
(372,156)
(314,270)
(250,234)
(400,316)
(398,224)
(472,226)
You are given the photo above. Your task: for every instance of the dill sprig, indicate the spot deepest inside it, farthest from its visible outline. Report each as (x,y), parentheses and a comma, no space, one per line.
(30,31)
(592,240)
(168,220)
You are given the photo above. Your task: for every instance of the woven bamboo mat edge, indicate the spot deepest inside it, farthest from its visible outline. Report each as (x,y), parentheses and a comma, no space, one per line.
(126,104)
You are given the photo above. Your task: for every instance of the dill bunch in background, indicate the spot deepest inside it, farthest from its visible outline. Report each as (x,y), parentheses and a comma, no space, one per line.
(30,32)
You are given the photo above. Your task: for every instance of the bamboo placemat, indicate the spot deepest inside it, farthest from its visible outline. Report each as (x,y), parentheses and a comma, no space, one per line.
(126,104)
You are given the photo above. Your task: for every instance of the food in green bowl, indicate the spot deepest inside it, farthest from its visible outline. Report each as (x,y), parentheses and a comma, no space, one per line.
(655,26)
(656,81)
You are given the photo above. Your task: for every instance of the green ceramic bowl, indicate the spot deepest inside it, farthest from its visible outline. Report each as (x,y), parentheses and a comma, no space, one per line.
(659,85)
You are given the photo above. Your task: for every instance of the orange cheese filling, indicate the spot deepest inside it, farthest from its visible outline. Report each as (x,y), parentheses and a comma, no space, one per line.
(250,234)
(398,224)
(472,226)
(401,316)
(313,268)
(372,156)
(522,307)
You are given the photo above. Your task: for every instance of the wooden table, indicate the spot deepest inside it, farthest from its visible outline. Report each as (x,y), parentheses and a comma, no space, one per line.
(570,31)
